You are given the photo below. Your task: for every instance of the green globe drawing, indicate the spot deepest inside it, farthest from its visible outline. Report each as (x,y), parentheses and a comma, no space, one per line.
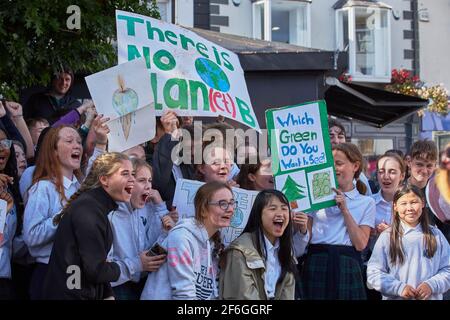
(212,74)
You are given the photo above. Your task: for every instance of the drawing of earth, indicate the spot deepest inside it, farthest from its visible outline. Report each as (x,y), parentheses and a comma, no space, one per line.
(125,101)
(237,218)
(212,74)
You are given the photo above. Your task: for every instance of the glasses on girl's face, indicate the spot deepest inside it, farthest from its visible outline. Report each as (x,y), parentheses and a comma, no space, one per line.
(224,204)
(5,143)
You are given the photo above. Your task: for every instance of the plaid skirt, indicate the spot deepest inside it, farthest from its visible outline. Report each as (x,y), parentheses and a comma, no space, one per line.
(332,273)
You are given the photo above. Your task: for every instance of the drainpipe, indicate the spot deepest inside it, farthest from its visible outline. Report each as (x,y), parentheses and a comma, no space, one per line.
(174,4)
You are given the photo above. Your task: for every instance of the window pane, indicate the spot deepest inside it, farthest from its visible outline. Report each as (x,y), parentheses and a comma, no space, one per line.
(365,41)
(258,20)
(290,22)
(371,47)
(343,29)
(373,147)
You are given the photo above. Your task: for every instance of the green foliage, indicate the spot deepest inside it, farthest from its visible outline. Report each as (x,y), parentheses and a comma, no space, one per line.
(36,42)
(293,190)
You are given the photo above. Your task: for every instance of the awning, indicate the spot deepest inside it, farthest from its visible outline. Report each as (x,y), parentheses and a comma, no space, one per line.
(372,106)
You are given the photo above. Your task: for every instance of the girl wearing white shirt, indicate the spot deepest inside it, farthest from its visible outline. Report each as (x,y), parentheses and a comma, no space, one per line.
(55,179)
(410,259)
(259,264)
(332,268)
(390,173)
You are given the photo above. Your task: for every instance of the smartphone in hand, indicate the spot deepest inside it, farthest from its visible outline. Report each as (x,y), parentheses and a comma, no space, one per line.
(156,250)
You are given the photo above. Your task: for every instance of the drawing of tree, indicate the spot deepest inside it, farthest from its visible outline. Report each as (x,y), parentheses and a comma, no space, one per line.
(293,190)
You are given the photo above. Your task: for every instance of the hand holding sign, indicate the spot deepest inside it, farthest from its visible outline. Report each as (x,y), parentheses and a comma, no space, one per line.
(340,200)
(300,221)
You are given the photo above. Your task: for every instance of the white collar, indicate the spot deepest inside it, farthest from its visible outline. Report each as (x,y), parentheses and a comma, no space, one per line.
(407,228)
(269,245)
(68,183)
(378,197)
(352,194)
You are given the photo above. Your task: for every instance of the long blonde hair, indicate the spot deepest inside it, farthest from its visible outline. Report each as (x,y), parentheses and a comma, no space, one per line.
(106,164)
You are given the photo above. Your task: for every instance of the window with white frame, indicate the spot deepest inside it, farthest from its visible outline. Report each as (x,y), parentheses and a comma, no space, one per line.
(365,31)
(165,10)
(282,21)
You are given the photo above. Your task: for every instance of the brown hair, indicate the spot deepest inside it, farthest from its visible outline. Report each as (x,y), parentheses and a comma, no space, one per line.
(33,121)
(397,158)
(204,195)
(424,149)
(139,163)
(201,201)
(353,154)
(334,123)
(106,164)
(48,165)
(395,245)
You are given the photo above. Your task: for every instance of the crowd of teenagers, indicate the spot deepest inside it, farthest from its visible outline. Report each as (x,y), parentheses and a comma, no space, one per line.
(85,223)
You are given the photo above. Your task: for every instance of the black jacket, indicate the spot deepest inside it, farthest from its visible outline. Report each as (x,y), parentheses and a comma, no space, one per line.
(43,105)
(163,179)
(83,239)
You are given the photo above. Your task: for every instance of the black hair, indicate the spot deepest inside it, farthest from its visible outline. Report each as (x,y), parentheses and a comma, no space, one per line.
(254,225)
(11,170)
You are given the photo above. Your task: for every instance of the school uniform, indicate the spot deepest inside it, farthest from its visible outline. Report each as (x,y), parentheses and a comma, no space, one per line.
(392,279)
(134,231)
(332,267)
(6,286)
(383,213)
(43,204)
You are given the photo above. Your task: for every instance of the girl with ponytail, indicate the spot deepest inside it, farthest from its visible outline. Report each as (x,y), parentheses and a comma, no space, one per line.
(84,236)
(333,266)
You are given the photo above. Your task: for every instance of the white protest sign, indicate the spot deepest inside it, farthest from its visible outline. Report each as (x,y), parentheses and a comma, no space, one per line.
(189,74)
(184,201)
(142,129)
(121,93)
(119,90)
(3,212)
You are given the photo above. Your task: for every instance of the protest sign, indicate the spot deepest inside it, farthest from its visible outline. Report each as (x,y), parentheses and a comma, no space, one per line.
(189,74)
(184,201)
(302,161)
(122,94)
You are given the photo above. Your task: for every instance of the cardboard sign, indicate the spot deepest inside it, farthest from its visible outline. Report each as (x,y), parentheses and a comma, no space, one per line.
(121,93)
(189,74)
(184,201)
(302,161)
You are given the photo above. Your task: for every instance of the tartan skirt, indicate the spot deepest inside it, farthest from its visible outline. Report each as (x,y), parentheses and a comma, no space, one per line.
(332,273)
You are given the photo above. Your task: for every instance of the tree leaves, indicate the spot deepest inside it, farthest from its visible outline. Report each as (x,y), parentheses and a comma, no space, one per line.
(36,40)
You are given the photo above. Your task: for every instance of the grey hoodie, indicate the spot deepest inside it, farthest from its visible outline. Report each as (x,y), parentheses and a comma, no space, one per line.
(190,271)
(134,231)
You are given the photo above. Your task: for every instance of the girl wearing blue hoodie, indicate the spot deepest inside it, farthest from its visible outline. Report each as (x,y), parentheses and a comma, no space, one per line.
(193,247)
(136,226)
(55,180)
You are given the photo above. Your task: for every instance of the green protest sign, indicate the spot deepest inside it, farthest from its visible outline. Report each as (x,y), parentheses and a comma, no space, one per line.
(188,73)
(302,161)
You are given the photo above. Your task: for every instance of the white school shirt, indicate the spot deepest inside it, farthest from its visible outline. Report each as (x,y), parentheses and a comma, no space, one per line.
(329,226)
(273,267)
(383,209)
(390,279)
